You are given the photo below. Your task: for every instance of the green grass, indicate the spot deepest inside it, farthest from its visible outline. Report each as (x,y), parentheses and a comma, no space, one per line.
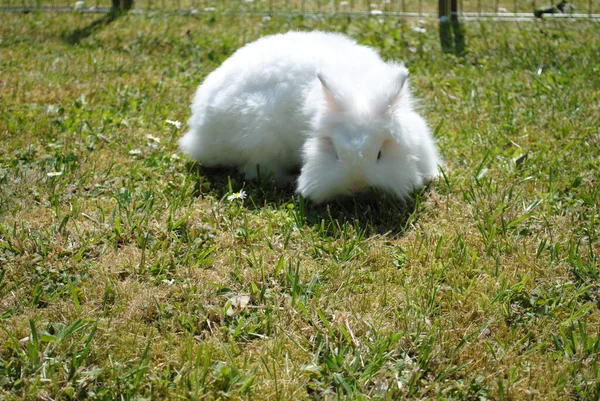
(132,276)
(412,6)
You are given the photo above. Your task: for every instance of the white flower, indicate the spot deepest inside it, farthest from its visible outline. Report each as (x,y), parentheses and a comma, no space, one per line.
(175,156)
(194,11)
(175,123)
(266,18)
(209,9)
(135,152)
(249,1)
(373,5)
(237,304)
(153,138)
(343,3)
(502,10)
(79,5)
(54,173)
(52,109)
(418,29)
(376,12)
(237,195)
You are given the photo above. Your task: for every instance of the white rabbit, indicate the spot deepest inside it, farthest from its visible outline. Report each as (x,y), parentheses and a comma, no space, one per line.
(316,100)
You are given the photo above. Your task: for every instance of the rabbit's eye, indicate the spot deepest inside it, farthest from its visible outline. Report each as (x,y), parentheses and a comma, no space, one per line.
(386,146)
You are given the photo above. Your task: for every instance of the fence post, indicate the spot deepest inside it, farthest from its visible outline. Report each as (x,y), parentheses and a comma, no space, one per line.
(445,29)
(125,5)
(459,36)
(449,27)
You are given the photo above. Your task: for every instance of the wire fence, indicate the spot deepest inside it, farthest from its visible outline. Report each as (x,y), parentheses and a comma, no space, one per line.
(468,9)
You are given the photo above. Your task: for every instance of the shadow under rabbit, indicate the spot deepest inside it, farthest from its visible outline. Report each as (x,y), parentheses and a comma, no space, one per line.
(374,212)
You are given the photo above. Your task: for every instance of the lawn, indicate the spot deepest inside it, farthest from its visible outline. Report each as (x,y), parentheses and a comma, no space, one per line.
(279,6)
(128,273)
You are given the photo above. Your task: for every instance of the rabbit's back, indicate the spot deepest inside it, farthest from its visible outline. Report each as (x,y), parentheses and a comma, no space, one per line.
(258,104)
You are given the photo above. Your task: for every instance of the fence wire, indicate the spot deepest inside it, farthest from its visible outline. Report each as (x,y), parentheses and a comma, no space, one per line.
(468,9)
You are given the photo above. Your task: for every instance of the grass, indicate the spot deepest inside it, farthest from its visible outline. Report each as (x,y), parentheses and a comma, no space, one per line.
(358,6)
(130,275)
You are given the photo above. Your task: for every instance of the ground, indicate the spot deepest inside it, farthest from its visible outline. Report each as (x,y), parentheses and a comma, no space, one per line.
(128,272)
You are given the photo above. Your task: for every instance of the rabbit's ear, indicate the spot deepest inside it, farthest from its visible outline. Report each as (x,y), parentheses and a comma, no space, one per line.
(396,87)
(391,93)
(332,104)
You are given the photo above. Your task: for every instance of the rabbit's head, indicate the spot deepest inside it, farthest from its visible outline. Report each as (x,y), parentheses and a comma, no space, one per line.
(358,141)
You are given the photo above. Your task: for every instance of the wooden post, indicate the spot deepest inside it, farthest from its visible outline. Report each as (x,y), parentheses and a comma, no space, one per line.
(445,27)
(122,5)
(451,35)
(459,36)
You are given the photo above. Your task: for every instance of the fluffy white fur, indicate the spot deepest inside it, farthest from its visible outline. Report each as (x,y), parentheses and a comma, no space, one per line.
(316,100)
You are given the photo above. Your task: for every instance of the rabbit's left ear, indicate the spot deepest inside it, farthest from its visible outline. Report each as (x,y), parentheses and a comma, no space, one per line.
(395,88)
(332,103)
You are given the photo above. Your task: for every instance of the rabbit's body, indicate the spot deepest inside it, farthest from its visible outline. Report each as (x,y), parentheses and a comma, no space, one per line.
(310,99)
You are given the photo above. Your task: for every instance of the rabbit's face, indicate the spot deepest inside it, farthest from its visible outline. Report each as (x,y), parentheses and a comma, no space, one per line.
(354,154)
(359,143)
